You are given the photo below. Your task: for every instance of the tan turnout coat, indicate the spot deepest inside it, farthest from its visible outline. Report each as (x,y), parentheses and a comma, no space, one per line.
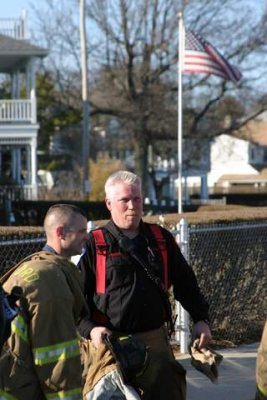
(41,359)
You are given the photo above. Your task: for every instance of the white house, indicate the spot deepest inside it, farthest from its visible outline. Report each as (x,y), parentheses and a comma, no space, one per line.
(18,119)
(239,160)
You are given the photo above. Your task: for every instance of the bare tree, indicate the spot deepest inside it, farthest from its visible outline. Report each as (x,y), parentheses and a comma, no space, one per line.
(134,57)
(139,53)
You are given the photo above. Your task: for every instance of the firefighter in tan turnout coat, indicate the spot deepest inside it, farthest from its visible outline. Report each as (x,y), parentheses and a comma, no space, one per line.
(41,359)
(261,368)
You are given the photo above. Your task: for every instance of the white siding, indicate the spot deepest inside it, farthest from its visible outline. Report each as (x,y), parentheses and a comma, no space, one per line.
(229,155)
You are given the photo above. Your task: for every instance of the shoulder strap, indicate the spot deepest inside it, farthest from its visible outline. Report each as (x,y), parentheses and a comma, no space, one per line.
(161,242)
(101,253)
(127,245)
(155,229)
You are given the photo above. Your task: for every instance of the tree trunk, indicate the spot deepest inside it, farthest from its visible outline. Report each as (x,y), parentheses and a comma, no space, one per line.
(141,158)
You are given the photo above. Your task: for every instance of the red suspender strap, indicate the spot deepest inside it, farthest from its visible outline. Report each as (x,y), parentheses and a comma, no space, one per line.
(100,260)
(163,249)
(101,254)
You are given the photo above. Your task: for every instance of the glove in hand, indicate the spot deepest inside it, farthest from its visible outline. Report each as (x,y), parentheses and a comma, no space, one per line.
(205,360)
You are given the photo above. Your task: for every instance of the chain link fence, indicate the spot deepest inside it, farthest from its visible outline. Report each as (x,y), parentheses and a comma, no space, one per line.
(229,261)
(230,264)
(13,248)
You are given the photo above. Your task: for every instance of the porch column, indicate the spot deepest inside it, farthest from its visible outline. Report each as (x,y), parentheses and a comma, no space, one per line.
(15,85)
(12,89)
(34,168)
(16,164)
(28,177)
(30,77)
(204,192)
(13,164)
(1,167)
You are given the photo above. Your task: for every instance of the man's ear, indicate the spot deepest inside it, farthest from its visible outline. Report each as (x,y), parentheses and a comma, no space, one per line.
(60,231)
(108,204)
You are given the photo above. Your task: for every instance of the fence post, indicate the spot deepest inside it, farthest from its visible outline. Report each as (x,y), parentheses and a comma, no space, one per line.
(90,225)
(181,325)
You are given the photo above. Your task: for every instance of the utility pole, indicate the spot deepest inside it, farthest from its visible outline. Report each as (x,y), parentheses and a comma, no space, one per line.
(86,111)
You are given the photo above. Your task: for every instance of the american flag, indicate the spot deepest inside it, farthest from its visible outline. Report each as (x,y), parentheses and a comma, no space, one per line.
(201,57)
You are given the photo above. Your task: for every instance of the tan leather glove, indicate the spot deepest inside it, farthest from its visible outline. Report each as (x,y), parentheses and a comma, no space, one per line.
(205,360)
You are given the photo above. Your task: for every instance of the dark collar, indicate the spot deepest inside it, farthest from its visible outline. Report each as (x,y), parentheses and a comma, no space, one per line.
(49,249)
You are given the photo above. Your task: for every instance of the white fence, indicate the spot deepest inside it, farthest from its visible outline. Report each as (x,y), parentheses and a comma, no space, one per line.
(18,110)
(14,27)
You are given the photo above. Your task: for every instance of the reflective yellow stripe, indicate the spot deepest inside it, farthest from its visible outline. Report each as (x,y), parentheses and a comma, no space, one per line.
(263,390)
(20,328)
(5,396)
(56,352)
(74,394)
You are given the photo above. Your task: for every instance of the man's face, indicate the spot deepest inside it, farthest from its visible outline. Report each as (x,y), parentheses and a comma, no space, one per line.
(75,237)
(125,205)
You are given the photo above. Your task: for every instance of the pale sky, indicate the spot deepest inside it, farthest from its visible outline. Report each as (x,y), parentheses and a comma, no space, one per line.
(14,8)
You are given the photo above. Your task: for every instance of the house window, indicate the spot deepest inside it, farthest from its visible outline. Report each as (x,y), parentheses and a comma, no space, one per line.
(265,155)
(252,154)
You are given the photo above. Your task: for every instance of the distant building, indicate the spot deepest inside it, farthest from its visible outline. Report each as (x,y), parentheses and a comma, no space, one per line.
(240,159)
(18,119)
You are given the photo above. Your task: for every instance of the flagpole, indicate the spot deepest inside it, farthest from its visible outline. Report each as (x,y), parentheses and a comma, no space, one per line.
(180,111)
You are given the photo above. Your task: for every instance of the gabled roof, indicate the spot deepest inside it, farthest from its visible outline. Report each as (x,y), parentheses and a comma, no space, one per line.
(15,53)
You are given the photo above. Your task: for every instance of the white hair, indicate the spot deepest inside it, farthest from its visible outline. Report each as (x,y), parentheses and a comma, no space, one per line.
(121,176)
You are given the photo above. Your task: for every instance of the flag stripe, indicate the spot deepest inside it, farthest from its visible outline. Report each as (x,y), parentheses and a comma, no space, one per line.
(195,61)
(201,57)
(231,71)
(204,70)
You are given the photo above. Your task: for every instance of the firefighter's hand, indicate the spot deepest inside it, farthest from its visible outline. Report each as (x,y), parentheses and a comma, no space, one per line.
(97,334)
(202,332)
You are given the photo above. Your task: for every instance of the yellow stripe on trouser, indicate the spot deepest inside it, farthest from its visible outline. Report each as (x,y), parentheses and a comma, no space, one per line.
(20,328)
(74,394)
(5,396)
(56,352)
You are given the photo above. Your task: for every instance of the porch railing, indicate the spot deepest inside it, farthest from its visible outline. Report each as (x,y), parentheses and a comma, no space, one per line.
(14,27)
(17,192)
(18,110)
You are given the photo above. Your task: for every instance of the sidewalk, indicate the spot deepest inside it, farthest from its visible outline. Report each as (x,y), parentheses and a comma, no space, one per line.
(236,376)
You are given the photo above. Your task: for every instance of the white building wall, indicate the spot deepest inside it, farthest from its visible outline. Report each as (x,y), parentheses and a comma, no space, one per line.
(229,155)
